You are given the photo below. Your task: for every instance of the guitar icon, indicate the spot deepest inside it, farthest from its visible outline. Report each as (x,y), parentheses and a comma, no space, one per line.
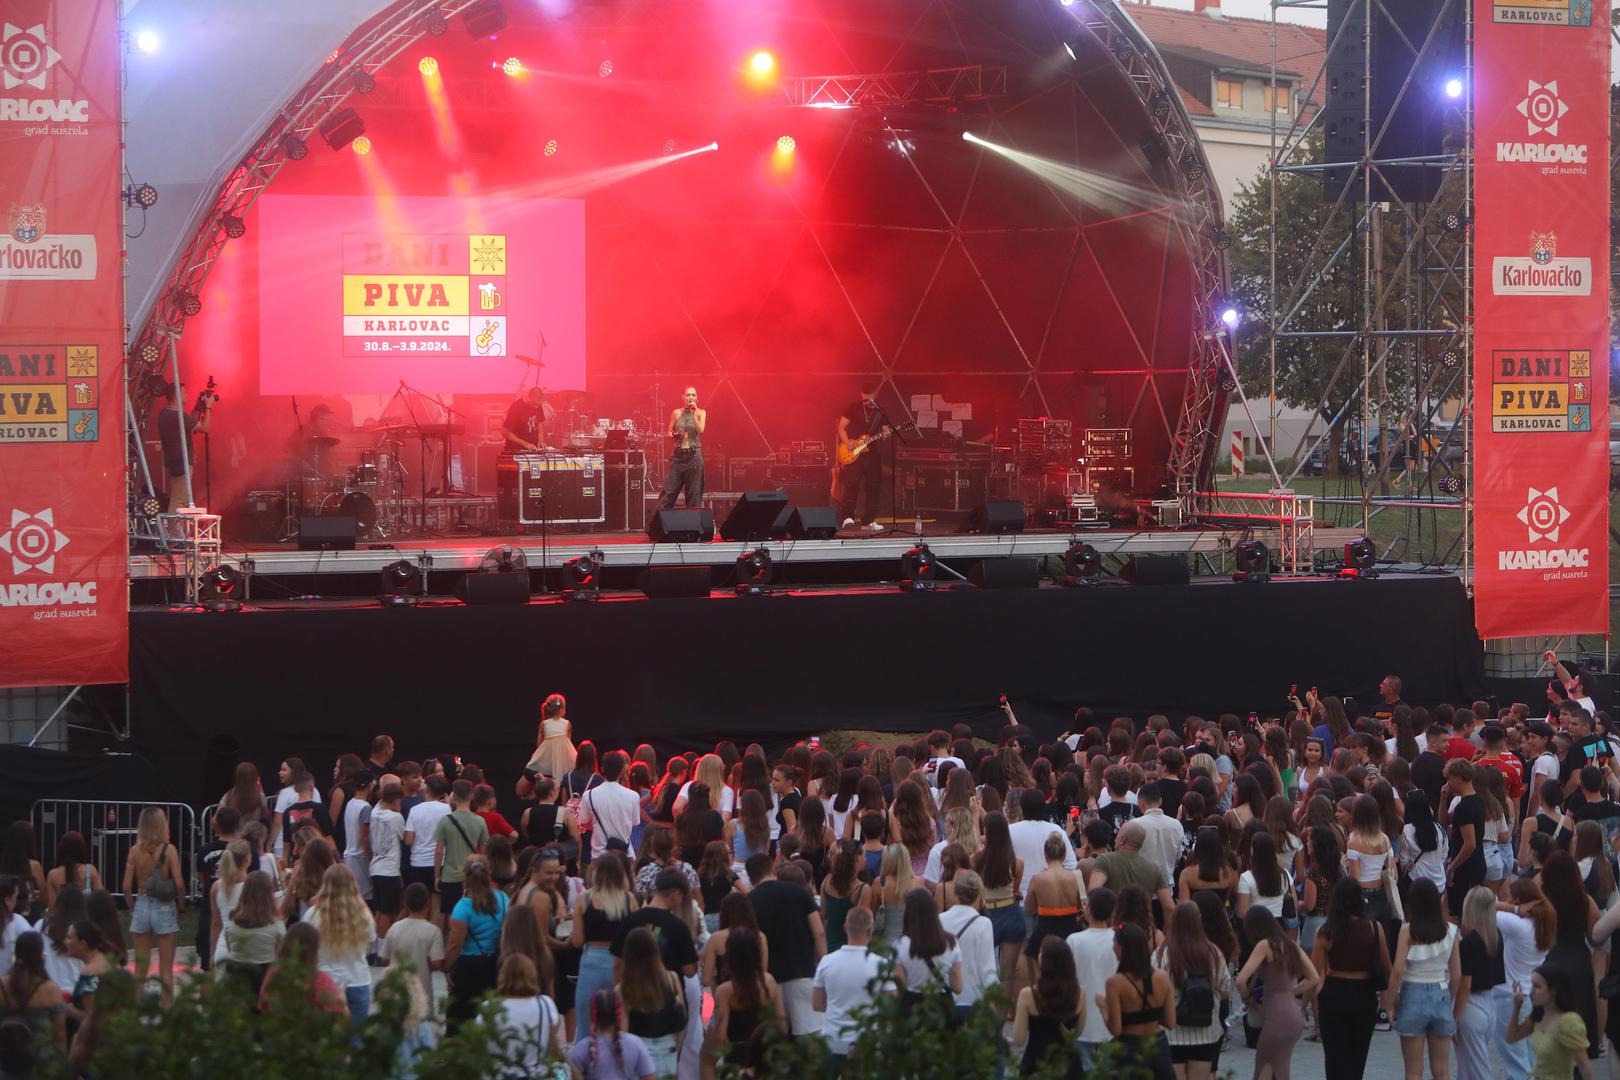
(485,341)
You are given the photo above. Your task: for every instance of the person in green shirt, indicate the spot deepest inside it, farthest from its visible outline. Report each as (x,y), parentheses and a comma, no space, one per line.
(459,834)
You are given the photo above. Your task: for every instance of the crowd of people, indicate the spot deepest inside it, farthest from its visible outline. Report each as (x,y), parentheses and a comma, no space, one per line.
(1124,894)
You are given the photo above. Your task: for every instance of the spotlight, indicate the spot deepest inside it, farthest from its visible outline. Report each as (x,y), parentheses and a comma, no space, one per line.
(400,579)
(150,353)
(786,145)
(1222,238)
(362,145)
(512,66)
(604,69)
(1159,105)
(364,81)
(551,148)
(582,572)
(220,589)
(1192,167)
(1451,484)
(190,303)
(1452,221)
(1124,51)
(669,147)
(762,63)
(1253,562)
(1231,317)
(917,569)
(1224,381)
(428,66)
(294,147)
(1081,564)
(1451,357)
(235,227)
(1454,88)
(1360,558)
(148,506)
(484,18)
(434,24)
(148,42)
(753,572)
(144,196)
(342,128)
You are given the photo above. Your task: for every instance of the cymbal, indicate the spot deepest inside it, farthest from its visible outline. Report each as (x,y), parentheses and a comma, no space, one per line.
(531,361)
(322,442)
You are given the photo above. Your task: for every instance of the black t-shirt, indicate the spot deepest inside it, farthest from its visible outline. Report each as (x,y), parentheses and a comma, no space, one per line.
(791,801)
(674,939)
(209,859)
(169,436)
(782,910)
(1470,810)
(1117,813)
(1386,712)
(300,814)
(1602,810)
(862,420)
(523,419)
(1483,970)
(1172,792)
(1429,775)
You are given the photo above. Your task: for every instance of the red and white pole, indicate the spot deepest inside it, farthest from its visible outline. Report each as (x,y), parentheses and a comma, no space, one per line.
(1237,453)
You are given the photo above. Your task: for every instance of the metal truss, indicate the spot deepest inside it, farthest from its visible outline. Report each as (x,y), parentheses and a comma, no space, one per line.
(1413,309)
(937,86)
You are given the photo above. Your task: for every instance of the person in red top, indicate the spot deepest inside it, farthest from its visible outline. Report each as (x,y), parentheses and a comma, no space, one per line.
(301,949)
(483,804)
(1464,742)
(1496,756)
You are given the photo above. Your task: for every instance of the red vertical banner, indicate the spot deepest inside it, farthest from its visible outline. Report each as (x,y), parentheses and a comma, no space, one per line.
(1541,316)
(64,570)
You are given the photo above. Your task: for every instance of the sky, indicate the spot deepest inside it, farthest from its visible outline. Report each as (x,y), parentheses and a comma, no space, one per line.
(1257,9)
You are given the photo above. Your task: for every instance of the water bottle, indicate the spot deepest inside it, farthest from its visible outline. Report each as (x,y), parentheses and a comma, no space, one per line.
(919,523)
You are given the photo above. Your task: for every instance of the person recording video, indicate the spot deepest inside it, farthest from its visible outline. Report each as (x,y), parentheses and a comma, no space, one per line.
(180,463)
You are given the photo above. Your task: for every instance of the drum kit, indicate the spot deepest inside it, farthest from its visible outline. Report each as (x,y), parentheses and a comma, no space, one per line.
(360,475)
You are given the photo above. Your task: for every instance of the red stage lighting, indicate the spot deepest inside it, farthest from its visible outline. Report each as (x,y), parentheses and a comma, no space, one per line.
(362,145)
(513,66)
(786,145)
(428,66)
(605,68)
(551,148)
(762,64)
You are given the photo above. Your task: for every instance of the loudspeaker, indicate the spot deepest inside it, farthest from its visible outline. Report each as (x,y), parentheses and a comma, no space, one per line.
(812,523)
(995,517)
(673,582)
(1007,574)
(335,533)
(1156,570)
(508,588)
(758,515)
(682,526)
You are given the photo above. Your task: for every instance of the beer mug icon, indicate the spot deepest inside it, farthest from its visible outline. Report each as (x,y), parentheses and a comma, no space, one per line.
(489,297)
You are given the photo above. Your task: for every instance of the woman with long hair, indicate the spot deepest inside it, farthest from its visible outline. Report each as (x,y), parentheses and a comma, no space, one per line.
(605,1051)
(90,952)
(69,908)
(711,772)
(1349,954)
(1313,760)
(347,772)
(1050,1012)
(1053,898)
(1139,1005)
(226,892)
(73,867)
(1266,884)
(1427,965)
(816,838)
(1323,868)
(869,799)
(599,913)
(1134,906)
(554,754)
(1423,850)
(1279,822)
(1557,1034)
(1577,914)
(911,822)
(1248,802)
(473,947)
(654,1001)
(103,911)
(659,847)
(1332,725)
(316,857)
(1218,929)
(27,992)
(1367,851)
(1405,744)
(523,934)
(749,833)
(926,957)
(246,796)
(1285,979)
(156,895)
(1199,973)
(662,807)
(844,801)
(1528,928)
(841,891)
(887,898)
(1210,867)
(300,956)
(12,922)
(1002,872)
(1551,818)
(254,933)
(19,858)
(735,912)
(717,880)
(528,1015)
(347,934)
(746,999)
(1482,971)
(1497,838)
(697,823)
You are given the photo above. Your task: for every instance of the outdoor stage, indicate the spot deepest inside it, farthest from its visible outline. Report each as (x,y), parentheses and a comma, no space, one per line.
(208,690)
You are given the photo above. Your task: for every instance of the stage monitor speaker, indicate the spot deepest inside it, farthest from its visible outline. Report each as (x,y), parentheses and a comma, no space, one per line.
(1007,574)
(335,533)
(995,517)
(674,582)
(508,588)
(812,523)
(682,526)
(756,516)
(1156,570)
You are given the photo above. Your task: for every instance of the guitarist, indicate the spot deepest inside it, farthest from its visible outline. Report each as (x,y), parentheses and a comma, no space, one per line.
(864,475)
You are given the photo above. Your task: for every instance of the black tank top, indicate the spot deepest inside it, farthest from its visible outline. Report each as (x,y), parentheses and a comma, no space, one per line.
(598,926)
(543,824)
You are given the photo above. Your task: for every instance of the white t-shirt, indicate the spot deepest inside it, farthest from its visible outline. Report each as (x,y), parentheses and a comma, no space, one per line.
(18,925)
(356,812)
(1520,957)
(1029,844)
(975,943)
(1094,962)
(727,799)
(609,810)
(387,830)
(1422,744)
(1273,904)
(351,970)
(285,798)
(845,976)
(1430,865)
(936,866)
(918,972)
(530,1022)
(62,968)
(423,821)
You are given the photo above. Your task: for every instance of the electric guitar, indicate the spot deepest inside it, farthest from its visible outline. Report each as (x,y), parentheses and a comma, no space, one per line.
(848,452)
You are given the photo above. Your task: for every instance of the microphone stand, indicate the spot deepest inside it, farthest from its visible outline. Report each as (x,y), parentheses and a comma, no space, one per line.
(894,466)
(421,441)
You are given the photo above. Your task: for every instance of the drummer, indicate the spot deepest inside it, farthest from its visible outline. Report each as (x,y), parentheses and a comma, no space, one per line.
(311,447)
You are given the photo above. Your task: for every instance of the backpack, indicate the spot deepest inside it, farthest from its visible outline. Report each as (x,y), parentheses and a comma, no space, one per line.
(1195,1004)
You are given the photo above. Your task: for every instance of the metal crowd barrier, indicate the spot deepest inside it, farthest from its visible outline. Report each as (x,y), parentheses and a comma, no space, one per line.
(110,830)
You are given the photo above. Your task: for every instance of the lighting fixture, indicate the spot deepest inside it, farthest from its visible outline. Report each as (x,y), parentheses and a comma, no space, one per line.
(362,145)
(1231,317)
(1360,558)
(235,227)
(400,580)
(512,66)
(144,196)
(190,303)
(604,69)
(786,145)
(1192,167)
(294,147)
(484,18)
(1454,88)
(762,63)
(364,81)
(581,572)
(150,353)
(220,588)
(1154,148)
(1222,238)
(148,42)
(551,148)
(342,128)
(1159,104)
(1081,564)
(147,506)
(428,66)
(1253,562)
(754,572)
(435,24)
(1451,484)
(918,569)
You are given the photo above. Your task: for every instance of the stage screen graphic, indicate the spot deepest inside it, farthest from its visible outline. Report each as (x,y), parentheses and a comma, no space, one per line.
(359,293)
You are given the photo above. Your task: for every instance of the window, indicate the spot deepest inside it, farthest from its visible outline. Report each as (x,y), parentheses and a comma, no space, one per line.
(1229,93)
(1279,98)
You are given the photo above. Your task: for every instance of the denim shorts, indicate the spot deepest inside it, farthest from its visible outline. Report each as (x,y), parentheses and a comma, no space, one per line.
(1498,861)
(1425,1009)
(1007,925)
(153,917)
